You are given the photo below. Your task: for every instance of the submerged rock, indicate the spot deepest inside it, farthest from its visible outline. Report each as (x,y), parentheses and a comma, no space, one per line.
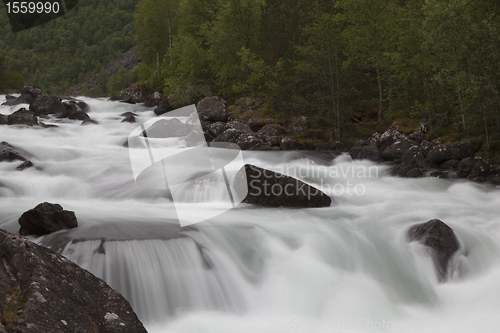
(10,153)
(48,293)
(273,189)
(45,219)
(44,105)
(440,239)
(22,117)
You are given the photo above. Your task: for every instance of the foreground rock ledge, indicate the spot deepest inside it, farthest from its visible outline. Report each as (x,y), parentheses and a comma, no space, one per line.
(273,189)
(442,241)
(43,292)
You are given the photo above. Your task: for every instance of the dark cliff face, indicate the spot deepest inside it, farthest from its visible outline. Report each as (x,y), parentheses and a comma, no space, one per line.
(42,291)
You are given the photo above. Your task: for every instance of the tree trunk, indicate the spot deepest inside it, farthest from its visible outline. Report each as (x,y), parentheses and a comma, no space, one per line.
(169,38)
(486,128)
(380,98)
(158,63)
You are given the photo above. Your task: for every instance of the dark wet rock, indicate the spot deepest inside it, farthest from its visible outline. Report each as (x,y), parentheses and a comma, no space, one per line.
(45,219)
(213,109)
(272,189)
(31,89)
(22,99)
(44,105)
(411,163)
(247,141)
(289,144)
(440,239)
(387,138)
(362,151)
(127,114)
(398,149)
(414,173)
(217,128)
(453,151)
(426,147)
(89,121)
(3,119)
(240,127)
(299,125)
(495,177)
(229,135)
(417,136)
(129,119)
(465,166)
(257,123)
(437,141)
(208,137)
(78,115)
(70,108)
(265,147)
(451,164)
(167,128)
(83,106)
(480,171)
(11,153)
(432,121)
(163,107)
(127,99)
(47,293)
(22,117)
(44,125)
(414,155)
(25,165)
(272,130)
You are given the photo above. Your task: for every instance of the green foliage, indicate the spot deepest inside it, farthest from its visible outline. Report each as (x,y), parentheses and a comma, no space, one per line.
(63,52)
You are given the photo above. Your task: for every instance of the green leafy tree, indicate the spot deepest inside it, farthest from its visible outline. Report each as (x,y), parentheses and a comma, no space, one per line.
(155,22)
(321,58)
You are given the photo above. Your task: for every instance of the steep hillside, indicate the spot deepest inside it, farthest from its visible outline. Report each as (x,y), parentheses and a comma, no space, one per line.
(66,51)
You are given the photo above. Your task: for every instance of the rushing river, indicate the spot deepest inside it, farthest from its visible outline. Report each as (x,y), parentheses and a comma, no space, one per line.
(346,268)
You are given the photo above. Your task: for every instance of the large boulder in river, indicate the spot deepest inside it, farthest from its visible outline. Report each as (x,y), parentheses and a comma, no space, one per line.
(11,153)
(213,109)
(163,107)
(43,292)
(363,151)
(45,219)
(454,151)
(3,119)
(44,105)
(273,189)
(398,148)
(31,89)
(440,239)
(22,117)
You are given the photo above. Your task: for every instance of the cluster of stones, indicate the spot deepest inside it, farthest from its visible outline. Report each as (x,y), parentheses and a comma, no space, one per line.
(44,106)
(414,156)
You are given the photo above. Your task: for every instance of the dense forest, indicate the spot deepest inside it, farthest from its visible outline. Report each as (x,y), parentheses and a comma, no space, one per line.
(353,62)
(65,51)
(353,66)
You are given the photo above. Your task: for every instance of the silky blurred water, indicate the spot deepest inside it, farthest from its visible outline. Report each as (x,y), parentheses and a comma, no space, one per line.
(345,268)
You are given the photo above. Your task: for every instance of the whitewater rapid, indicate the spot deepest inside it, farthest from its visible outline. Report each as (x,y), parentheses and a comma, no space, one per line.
(345,268)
